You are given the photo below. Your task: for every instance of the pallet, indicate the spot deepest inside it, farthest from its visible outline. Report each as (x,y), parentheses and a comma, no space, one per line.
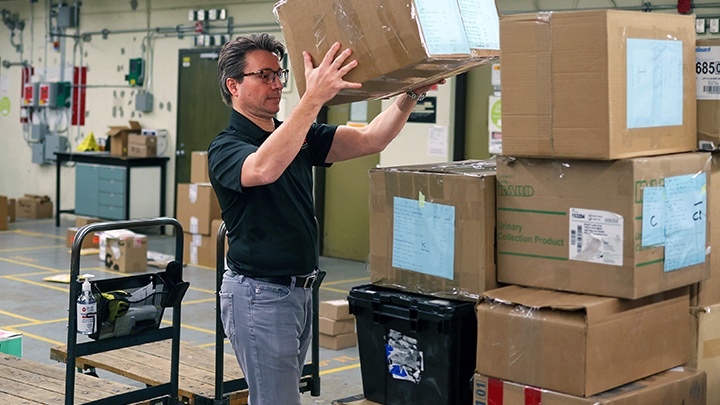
(149,364)
(25,381)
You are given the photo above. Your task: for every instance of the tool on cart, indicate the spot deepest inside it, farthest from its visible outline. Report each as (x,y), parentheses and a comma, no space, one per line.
(136,324)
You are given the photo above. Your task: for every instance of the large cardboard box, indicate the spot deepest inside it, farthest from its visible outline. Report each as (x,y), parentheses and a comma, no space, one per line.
(705,347)
(338,342)
(34,206)
(126,254)
(676,386)
(333,327)
(593,226)
(598,84)
(579,344)
(119,137)
(707,293)
(7,211)
(431,228)
(197,207)
(335,309)
(198,250)
(199,167)
(399,44)
(81,221)
(91,240)
(142,145)
(11,343)
(116,234)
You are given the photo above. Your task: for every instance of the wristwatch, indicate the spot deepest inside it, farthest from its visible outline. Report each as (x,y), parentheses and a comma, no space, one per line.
(415,96)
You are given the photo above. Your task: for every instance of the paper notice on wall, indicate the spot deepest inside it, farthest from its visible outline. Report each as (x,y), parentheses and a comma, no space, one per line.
(424,237)
(596,236)
(654,83)
(438,141)
(4,85)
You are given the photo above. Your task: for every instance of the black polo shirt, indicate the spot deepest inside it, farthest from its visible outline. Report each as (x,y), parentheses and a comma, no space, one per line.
(271,228)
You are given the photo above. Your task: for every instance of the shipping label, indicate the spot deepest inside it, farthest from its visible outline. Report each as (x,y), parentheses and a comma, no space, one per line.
(707,69)
(596,236)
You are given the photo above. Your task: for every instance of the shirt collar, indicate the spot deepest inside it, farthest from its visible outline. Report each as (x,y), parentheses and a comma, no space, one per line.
(248,128)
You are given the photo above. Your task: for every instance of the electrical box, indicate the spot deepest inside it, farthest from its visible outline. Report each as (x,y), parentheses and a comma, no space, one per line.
(30,95)
(136,74)
(38,153)
(144,102)
(54,95)
(67,16)
(38,132)
(54,143)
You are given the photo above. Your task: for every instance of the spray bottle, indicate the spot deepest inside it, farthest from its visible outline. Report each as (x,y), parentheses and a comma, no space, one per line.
(86,309)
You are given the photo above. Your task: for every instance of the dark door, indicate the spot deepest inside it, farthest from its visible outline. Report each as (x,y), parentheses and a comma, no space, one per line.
(201,112)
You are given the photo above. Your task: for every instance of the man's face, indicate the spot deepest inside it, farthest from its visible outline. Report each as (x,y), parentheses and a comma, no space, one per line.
(254,96)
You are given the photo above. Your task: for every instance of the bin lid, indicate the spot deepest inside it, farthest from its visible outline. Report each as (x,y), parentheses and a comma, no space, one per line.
(396,303)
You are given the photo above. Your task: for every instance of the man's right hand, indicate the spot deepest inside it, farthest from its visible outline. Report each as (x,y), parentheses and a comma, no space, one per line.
(325,81)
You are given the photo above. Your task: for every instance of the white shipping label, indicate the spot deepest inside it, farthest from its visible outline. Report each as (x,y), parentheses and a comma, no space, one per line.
(707,69)
(193,253)
(596,236)
(115,250)
(193,225)
(192,193)
(197,240)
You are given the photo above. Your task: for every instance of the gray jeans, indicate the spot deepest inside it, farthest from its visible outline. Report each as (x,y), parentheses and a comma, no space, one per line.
(270,329)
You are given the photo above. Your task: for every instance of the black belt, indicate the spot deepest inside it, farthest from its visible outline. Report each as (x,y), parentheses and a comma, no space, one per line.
(304,282)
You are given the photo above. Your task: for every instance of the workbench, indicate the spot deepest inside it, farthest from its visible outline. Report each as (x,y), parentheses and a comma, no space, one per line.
(149,363)
(25,381)
(117,196)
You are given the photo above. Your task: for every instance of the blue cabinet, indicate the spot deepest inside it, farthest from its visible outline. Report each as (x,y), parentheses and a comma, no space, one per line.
(100,191)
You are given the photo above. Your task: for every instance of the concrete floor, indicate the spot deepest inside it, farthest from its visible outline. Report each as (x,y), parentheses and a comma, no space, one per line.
(34,249)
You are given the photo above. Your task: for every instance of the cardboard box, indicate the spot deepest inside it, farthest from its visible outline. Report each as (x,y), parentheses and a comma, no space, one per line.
(707,293)
(332,327)
(708,94)
(338,342)
(81,221)
(579,344)
(199,167)
(431,228)
(7,212)
(676,386)
(11,343)
(336,310)
(197,207)
(577,225)
(92,240)
(119,137)
(142,145)
(399,44)
(572,84)
(34,206)
(126,254)
(705,347)
(198,250)
(117,234)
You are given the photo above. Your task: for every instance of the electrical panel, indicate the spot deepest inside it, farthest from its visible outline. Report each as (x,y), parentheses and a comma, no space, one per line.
(54,143)
(67,16)
(38,154)
(144,102)
(30,95)
(136,74)
(38,132)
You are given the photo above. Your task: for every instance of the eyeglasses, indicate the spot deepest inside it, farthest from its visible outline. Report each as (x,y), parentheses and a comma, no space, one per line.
(268,75)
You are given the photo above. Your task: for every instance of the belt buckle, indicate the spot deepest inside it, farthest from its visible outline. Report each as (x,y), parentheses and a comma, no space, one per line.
(309,281)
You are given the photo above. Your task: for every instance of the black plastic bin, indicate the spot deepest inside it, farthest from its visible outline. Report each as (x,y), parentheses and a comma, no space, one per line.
(414,349)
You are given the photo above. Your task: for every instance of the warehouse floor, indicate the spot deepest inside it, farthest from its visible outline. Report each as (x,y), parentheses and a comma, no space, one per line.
(32,250)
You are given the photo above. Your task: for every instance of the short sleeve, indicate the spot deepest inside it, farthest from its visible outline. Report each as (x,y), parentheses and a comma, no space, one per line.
(320,139)
(226,156)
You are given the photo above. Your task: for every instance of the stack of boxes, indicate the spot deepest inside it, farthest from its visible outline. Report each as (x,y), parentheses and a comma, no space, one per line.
(336,325)
(198,211)
(90,241)
(602,213)
(34,206)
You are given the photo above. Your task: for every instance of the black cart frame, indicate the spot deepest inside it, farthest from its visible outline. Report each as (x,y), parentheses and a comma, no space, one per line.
(168,390)
(310,379)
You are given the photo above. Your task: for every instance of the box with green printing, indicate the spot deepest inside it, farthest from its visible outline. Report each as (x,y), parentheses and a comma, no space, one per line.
(11,343)
(591,227)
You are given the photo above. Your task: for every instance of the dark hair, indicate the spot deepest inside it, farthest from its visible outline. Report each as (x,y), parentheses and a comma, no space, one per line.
(231,63)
